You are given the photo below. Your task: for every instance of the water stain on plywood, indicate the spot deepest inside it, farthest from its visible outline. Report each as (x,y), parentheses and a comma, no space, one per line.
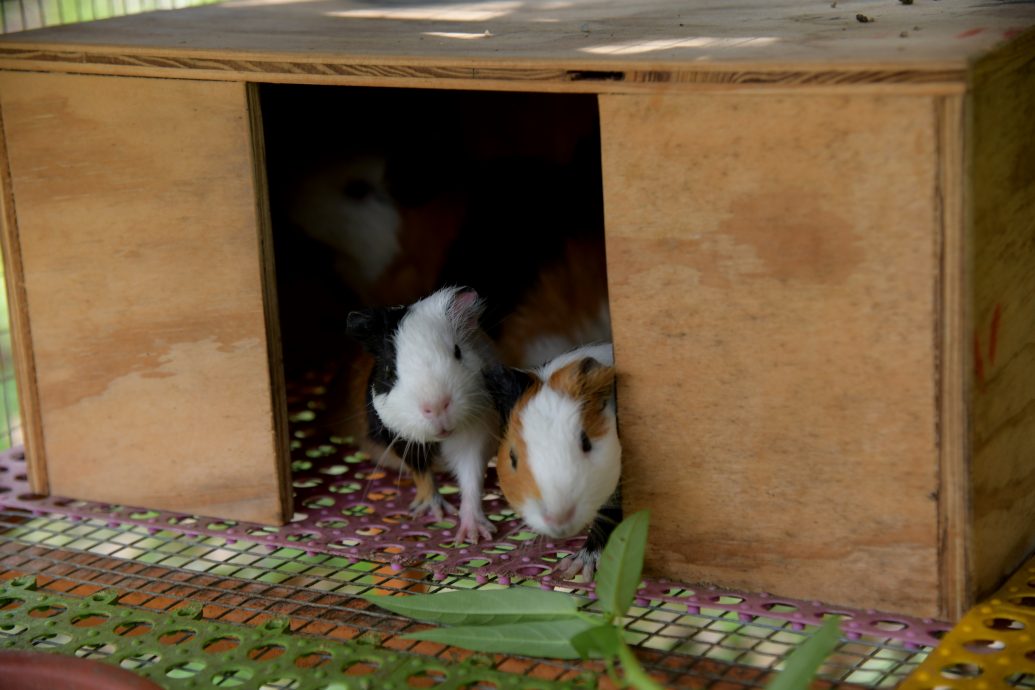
(795,239)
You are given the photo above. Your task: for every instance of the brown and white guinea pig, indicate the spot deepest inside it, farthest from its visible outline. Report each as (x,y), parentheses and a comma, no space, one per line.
(560,460)
(427,398)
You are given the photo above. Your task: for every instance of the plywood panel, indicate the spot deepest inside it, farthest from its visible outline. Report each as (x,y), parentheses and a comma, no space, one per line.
(605,45)
(138,227)
(773,270)
(1003,314)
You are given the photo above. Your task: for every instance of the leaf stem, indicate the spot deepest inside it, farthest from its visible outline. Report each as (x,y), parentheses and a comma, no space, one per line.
(611,673)
(635,675)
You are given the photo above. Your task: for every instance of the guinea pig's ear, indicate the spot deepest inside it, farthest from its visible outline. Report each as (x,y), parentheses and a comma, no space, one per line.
(505,386)
(596,382)
(371,326)
(466,307)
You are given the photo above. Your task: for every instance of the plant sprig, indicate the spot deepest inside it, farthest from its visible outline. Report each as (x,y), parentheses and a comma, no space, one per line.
(534,622)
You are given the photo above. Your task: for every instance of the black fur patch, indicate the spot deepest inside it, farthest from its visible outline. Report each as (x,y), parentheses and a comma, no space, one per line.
(505,386)
(375,330)
(588,364)
(608,517)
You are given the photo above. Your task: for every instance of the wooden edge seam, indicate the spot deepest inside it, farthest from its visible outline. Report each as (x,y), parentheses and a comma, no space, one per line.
(264,232)
(954,506)
(560,74)
(21,334)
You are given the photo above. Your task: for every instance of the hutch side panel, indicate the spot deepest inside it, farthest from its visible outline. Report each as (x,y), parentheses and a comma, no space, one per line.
(137,225)
(773,271)
(1002,241)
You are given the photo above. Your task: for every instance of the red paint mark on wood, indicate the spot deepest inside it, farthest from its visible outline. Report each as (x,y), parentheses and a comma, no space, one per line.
(979,362)
(968,33)
(993,333)
(1012,33)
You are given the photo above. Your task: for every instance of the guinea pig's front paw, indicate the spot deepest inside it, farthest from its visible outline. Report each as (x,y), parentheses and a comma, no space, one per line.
(472,528)
(435,505)
(584,562)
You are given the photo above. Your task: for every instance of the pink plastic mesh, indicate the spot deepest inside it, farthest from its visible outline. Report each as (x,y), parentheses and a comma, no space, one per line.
(346,505)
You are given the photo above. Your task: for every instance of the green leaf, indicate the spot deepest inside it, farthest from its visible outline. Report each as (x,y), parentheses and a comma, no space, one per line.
(483,606)
(801,664)
(621,564)
(551,639)
(602,640)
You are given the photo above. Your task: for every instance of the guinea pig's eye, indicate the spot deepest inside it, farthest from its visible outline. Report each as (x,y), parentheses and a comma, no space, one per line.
(456,352)
(357,189)
(586,445)
(513,459)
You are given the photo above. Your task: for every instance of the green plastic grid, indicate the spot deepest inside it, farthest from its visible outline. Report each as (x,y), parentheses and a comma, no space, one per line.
(246,581)
(183,650)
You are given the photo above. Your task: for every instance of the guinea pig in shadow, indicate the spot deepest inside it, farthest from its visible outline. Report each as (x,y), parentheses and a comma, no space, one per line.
(560,460)
(427,400)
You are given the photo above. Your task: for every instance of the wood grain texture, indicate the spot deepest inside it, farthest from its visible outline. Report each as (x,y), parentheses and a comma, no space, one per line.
(271,313)
(137,224)
(617,78)
(1002,238)
(772,271)
(605,46)
(951,348)
(18,314)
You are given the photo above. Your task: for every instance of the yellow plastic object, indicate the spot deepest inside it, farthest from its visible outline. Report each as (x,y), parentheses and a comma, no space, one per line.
(991,647)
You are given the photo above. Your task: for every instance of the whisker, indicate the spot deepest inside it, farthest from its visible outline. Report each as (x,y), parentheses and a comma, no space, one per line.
(488,428)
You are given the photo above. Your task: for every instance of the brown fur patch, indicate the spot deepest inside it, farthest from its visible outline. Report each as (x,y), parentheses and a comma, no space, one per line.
(517,485)
(425,484)
(566,299)
(589,381)
(345,400)
(426,234)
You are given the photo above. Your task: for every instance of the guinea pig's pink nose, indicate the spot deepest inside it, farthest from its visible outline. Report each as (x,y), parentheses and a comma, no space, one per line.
(433,409)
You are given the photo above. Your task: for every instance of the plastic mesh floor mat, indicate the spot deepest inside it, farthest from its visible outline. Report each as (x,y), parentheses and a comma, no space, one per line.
(183,649)
(720,657)
(347,506)
(993,645)
(352,534)
(250,583)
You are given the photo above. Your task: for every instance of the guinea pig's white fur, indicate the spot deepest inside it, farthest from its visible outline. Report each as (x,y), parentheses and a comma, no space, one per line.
(428,371)
(558,487)
(440,352)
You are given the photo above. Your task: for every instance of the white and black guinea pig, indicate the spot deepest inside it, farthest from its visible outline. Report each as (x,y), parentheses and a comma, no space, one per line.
(427,398)
(559,460)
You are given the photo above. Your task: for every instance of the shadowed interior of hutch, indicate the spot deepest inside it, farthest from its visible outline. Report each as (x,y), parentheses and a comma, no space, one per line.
(378,197)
